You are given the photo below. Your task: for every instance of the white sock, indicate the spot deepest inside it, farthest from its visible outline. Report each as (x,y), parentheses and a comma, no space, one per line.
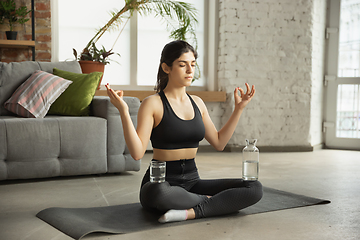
(174,216)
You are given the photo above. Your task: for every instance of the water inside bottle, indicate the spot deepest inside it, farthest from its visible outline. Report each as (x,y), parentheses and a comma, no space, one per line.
(157,173)
(250,170)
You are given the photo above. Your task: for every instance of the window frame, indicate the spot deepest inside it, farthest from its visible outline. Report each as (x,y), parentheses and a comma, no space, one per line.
(209,73)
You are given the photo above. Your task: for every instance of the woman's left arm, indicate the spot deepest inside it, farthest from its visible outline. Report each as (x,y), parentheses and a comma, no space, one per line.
(219,139)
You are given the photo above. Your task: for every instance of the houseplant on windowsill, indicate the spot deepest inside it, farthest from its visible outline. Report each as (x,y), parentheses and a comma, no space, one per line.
(180,18)
(13,15)
(94,59)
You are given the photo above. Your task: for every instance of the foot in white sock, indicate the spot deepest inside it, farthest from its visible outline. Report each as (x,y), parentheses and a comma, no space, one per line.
(174,216)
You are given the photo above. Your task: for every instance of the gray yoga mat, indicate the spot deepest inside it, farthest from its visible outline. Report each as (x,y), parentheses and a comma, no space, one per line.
(78,222)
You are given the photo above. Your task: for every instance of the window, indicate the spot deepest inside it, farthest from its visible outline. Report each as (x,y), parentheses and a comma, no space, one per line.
(348,98)
(349,39)
(342,79)
(140,42)
(348,111)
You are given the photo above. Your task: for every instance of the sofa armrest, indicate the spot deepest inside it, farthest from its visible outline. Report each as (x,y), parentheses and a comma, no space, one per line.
(118,155)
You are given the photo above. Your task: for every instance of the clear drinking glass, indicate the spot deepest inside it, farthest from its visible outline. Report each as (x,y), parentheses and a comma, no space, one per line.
(250,164)
(157,171)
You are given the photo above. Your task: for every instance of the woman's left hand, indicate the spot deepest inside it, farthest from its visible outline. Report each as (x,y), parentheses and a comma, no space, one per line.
(244,98)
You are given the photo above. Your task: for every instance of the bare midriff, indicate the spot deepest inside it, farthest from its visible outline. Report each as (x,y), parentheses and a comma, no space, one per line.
(174,154)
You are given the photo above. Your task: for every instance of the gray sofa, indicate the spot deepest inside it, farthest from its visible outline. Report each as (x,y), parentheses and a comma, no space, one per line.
(60,145)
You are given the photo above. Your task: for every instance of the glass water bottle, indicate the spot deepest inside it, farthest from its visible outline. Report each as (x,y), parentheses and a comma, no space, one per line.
(250,164)
(157,171)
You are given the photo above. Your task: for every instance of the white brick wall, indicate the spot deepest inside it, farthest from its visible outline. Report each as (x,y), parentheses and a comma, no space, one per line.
(277,45)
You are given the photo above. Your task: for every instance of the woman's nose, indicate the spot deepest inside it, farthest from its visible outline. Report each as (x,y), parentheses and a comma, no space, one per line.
(189,69)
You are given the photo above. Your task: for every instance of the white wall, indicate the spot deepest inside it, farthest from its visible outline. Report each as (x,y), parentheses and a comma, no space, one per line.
(277,45)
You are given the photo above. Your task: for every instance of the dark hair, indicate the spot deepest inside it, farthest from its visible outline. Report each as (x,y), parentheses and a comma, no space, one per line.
(169,54)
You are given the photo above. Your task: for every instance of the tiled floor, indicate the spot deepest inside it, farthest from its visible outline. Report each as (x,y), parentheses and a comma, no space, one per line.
(328,174)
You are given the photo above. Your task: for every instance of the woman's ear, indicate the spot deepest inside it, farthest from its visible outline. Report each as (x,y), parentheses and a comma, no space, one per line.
(165,68)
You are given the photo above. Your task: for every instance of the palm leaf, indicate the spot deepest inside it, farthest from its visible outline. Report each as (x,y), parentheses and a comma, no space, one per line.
(180,17)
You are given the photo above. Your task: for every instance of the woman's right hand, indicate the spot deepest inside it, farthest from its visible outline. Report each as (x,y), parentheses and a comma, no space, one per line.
(116,98)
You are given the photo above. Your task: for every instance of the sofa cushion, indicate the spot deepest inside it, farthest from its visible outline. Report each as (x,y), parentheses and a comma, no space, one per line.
(76,99)
(52,146)
(13,74)
(119,157)
(71,66)
(34,97)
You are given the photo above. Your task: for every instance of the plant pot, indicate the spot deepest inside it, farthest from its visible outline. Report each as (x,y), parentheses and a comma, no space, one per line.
(92,66)
(11,35)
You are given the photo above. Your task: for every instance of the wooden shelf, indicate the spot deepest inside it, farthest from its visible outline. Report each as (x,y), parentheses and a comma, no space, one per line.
(16,43)
(206,96)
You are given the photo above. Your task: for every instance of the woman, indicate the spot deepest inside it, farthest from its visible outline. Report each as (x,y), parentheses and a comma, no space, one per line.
(175,122)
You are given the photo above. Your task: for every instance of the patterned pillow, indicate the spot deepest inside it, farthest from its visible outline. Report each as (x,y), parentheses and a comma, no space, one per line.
(35,96)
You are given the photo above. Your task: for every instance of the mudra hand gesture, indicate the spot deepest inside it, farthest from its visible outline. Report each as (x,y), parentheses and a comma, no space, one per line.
(116,98)
(244,98)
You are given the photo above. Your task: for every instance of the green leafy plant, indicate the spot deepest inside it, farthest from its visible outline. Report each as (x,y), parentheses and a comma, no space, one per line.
(95,54)
(13,15)
(180,19)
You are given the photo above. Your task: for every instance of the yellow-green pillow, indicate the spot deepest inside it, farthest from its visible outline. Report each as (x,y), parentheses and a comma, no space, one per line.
(76,99)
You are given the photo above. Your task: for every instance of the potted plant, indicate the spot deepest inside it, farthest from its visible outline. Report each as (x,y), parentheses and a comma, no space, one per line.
(13,15)
(169,11)
(94,59)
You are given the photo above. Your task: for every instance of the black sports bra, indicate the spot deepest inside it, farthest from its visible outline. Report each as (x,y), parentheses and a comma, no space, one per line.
(176,133)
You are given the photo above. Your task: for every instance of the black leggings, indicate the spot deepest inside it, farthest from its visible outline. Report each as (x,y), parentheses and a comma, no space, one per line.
(183,189)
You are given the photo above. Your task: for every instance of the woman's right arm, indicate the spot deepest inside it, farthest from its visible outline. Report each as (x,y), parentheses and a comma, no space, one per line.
(136,139)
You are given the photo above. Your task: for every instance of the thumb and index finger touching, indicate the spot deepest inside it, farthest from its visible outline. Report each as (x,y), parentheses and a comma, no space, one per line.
(249,91)
(113,93)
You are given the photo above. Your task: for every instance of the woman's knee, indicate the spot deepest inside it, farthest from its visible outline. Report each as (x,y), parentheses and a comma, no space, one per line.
(151,193)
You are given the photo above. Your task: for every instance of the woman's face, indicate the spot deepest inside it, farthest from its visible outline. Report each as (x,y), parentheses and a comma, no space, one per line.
(182,71)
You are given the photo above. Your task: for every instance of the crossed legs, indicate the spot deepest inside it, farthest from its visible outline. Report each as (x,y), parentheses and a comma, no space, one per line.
(227,196)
